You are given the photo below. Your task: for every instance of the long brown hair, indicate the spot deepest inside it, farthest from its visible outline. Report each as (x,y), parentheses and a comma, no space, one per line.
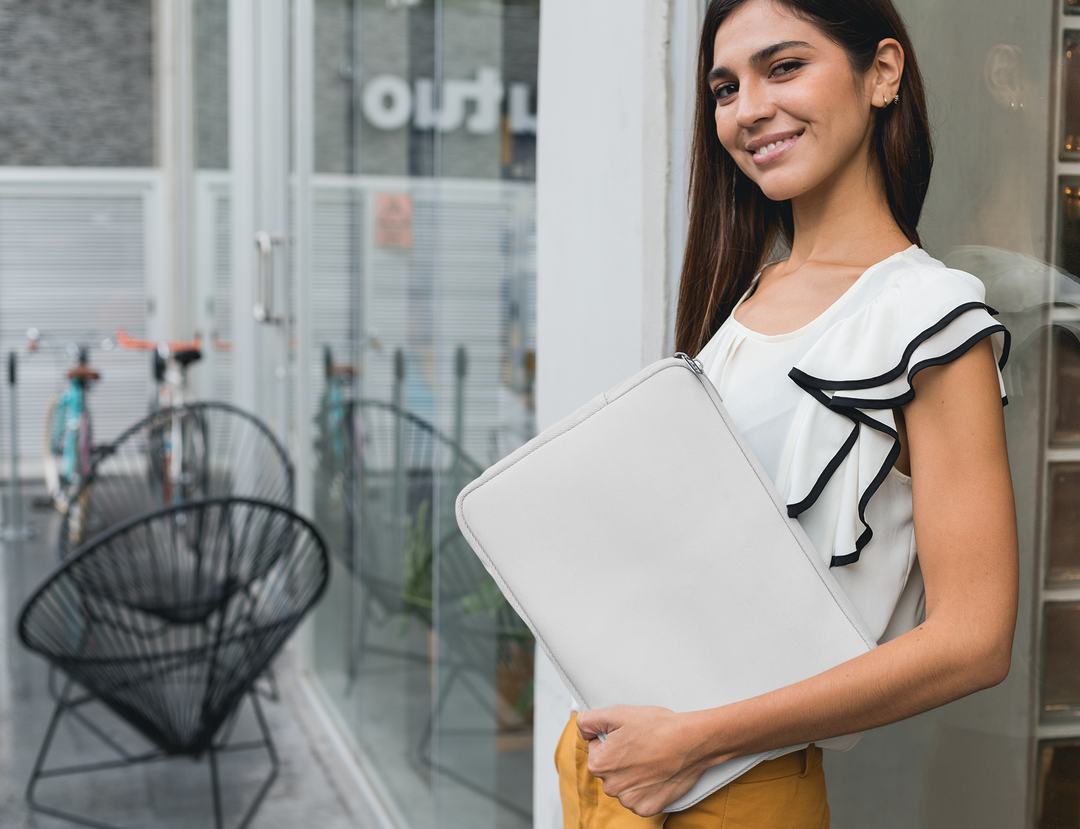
(733,225)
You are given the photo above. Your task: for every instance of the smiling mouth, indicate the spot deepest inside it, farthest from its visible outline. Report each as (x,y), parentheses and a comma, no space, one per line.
(768,153)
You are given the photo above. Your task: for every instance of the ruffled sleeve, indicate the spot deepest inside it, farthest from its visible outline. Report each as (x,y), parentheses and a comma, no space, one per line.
(858,372)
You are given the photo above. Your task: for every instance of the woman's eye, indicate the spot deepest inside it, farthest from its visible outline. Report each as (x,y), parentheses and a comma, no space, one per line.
(724,90)
(786,67)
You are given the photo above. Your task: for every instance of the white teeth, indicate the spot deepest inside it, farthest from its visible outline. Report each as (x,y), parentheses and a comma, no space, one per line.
(762,150)
(772,146)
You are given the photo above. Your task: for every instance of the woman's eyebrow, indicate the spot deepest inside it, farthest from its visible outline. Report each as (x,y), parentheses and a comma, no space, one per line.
(759,57)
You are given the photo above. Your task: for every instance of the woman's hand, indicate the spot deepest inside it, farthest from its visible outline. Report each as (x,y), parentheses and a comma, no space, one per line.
(650,757)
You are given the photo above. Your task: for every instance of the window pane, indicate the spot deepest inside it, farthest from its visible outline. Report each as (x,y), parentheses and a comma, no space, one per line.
(1061,668)
(1059,785)
(1066,388)
(1064,541)
(1068,256)
(1070,83)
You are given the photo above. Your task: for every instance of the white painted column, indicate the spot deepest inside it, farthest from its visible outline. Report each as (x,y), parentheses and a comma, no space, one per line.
(174,71)
(603,214)
(303,131)
(272,210)
(243,155)
(686,19)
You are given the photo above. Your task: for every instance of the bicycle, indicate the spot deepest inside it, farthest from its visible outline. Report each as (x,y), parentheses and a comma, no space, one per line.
(330,443)
(67,445)
(175,476)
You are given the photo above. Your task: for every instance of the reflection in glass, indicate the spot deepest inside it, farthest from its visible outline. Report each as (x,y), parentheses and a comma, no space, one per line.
(1061,668)
(1072,6)
(1068,256)
(1059,785)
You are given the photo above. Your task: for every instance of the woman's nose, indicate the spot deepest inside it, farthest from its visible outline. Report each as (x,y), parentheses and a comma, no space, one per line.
(754,105)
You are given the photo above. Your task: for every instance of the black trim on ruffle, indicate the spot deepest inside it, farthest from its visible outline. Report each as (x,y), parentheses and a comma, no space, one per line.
(794,510)
(859,419)
(804,379)
(851,408)
(944,359)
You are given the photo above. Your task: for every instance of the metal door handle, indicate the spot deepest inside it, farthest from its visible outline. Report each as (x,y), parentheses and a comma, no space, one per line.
(264,276)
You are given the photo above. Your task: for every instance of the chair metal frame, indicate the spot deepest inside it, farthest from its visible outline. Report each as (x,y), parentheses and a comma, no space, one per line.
(79,595)
(68,703)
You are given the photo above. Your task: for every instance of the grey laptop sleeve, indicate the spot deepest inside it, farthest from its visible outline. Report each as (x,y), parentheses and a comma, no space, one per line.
(646,549)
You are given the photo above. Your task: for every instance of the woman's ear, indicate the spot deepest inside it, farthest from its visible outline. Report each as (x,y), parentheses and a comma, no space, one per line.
(886,72)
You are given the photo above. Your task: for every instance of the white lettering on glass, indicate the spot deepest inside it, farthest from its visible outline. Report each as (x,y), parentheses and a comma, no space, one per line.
(521,119)
(388,104)
(487,92)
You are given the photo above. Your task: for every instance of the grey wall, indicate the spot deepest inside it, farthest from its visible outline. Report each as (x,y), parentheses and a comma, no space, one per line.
(333,86)
(76,83)
(211,84)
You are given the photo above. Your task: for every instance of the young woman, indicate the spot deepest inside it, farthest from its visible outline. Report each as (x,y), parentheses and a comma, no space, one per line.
(865,376)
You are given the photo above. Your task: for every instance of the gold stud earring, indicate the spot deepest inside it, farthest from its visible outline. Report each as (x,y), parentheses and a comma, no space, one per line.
(896,98)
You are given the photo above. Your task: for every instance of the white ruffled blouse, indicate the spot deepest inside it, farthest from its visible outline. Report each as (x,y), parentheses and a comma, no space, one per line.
(816,406)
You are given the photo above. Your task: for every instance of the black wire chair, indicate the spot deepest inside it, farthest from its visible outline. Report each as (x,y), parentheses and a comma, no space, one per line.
(168,620)
(225,452)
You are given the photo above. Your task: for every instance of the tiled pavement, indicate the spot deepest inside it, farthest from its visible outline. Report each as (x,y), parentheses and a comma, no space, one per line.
(310,789)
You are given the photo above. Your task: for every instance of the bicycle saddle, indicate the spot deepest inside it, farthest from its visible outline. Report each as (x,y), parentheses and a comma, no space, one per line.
(341,370)
(82,372)
(186,358)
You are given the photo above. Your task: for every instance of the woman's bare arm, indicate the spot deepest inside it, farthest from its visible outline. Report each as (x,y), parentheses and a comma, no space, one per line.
(965,529)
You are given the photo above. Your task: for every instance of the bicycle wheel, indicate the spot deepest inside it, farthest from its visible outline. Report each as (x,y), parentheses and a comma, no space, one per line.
(78,497)
(190,468)
(157,459)
(52,451)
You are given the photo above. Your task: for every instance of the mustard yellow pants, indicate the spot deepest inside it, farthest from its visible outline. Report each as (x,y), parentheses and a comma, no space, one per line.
(785,793)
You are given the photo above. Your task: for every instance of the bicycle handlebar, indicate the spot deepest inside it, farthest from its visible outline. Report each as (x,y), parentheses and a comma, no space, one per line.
(124,341)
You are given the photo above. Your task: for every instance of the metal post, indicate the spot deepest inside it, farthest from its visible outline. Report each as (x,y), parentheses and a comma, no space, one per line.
(14,530)
(461,368)
(400,504)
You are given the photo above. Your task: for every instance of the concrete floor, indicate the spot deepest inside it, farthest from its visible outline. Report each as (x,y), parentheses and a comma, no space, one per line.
(311,789)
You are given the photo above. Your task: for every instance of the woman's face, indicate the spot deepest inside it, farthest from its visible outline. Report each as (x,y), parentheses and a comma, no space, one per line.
(788,109)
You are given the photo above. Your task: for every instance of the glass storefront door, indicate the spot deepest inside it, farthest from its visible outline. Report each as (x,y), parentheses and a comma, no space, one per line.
(423,347)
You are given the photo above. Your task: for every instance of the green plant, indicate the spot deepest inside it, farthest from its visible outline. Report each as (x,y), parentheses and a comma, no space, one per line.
(417,578)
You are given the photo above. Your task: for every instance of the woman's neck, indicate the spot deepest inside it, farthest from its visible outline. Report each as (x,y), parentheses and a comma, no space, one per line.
(846,222)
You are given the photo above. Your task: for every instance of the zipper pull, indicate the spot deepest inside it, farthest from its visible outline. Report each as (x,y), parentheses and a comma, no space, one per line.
(694,365)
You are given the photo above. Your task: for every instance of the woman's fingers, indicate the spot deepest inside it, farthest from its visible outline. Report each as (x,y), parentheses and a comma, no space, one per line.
(596,721)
